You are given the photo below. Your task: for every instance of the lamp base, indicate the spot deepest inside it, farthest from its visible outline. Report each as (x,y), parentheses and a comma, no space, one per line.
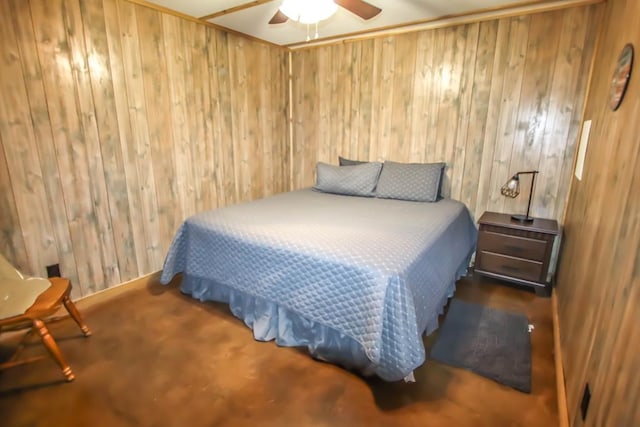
(522,218)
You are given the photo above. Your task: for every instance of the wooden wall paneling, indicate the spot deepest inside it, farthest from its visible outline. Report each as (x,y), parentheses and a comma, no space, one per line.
(239,119)
(421,88)
(196,90)
(579,318)
(32,71)
(177,77)
(351,61)
(202,121)
(598,282)
(593,28)
(340,124)
(450,98)
(402,96)
(298,98)
(22,180)
(112,165)
(423,61)
(280,128)
(266,104)
(376,57)
(507,121)
(365,105)
(192,110)
(609,265)
(384,122)
(447,54)
(12,245)
(534,106)
(561,110)
(353,114)
(495,100)
(59,77)
(274,121)
(156,81)
(220,97)
(127,146)
(461,138)
(22,160)
(621,390)
(138,114)
(478,114)
(215,121)
(333,113)
(256,83)
(615,351)
(304,82)
(346,59)
(312,147)
(124,121)
(467,43)
(570,326)
(593,337)
(236,138)
(433,96)
(344,62)
(315,149)
(100,235)
(337,123)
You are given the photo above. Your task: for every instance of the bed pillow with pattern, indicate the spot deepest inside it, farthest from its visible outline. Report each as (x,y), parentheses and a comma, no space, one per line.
(418,182)
(356,180)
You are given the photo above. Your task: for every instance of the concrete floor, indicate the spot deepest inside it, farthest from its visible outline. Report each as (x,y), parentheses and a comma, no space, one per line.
(159,358)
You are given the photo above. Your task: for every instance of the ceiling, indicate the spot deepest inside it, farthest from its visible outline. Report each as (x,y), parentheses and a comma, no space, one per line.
(252,17)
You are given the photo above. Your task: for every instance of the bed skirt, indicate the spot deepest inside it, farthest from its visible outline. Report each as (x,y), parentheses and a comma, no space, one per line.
(269,321)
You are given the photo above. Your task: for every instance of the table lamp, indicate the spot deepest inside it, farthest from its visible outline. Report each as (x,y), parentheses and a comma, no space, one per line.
(512,189)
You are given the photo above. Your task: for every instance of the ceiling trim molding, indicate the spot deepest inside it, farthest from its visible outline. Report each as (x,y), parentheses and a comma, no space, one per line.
(200,21)
(234,9)
(488,14)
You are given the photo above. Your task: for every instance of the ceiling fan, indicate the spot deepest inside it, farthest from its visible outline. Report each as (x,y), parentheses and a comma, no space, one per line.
(358,7)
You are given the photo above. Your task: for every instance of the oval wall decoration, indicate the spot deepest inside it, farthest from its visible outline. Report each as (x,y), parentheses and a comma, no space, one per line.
(621,76)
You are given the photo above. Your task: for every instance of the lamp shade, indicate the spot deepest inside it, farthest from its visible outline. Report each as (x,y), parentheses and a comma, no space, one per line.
(308,11)
(512,187)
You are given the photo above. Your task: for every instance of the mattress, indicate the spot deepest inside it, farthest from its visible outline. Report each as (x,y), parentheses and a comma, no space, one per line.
(357,280)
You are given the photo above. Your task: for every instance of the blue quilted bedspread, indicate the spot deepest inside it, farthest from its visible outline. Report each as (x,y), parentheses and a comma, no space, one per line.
(375,271)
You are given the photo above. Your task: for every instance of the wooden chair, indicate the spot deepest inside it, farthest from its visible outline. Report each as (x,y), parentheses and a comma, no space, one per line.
(26,302)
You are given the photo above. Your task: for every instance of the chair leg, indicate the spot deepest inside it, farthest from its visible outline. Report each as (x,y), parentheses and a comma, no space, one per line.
(53,349)
(75,314)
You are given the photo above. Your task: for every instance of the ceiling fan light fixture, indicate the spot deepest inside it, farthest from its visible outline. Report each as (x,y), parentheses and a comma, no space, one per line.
(308,11)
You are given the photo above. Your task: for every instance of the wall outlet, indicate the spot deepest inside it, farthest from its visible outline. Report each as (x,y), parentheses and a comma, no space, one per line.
(586,398)
(53,270)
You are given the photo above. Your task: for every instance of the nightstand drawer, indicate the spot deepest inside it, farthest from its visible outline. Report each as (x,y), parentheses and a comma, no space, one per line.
(510,266)
(520,247)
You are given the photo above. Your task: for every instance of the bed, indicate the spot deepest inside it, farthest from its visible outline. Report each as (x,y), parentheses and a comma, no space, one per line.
(356,280)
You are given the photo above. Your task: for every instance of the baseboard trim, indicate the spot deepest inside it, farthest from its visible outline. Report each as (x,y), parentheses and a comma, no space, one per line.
(104,294)
(563,413)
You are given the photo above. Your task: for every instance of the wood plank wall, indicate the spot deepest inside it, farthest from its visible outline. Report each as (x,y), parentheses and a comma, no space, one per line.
(117,122)
(599,271)
(489,99)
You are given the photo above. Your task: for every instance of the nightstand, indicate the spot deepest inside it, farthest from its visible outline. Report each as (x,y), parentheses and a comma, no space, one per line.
(514,251)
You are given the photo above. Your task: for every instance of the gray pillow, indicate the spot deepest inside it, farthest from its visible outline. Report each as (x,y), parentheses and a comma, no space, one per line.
(419,182)
(347,162)
(356,180)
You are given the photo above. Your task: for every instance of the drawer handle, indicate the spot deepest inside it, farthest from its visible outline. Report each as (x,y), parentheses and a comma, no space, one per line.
(510,268)
(513,248)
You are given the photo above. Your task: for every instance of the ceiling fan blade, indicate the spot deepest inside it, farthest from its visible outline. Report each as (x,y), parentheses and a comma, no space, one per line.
(279,18)
(359,7)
